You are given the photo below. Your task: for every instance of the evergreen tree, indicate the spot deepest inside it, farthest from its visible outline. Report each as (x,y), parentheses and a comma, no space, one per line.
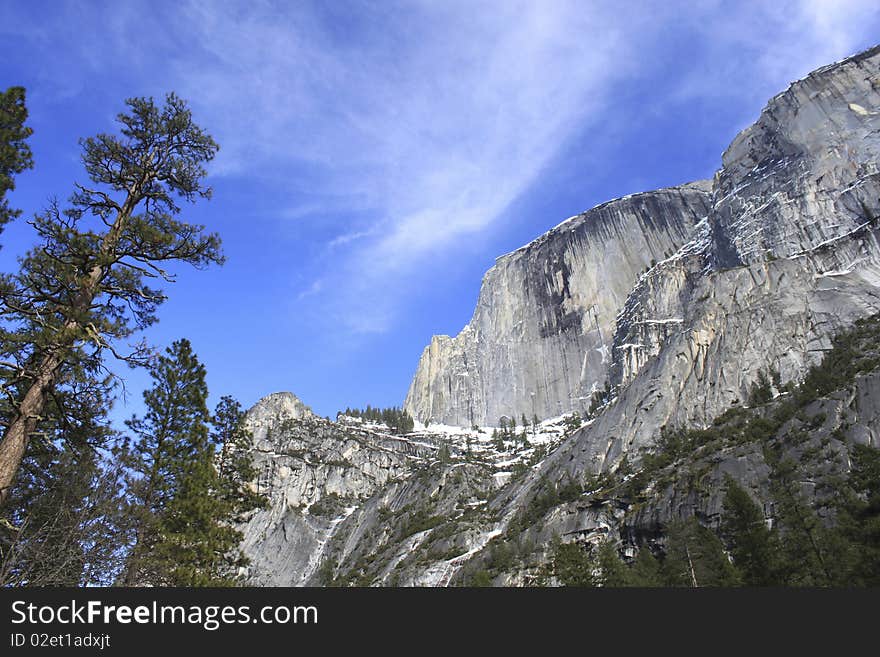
(61,525)
(754,547)
(234,461)
(84,288)
(859,516)
(761,390)
(612,571)
(498,440)
(806,559)
(198,545)
(396,419)
(178,503)
(68,529)
(571,565)
(443,453)
(646,570)
(15,154)
(695,557)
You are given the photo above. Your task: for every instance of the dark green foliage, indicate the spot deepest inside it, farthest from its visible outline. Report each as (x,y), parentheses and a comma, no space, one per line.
(811,554)
(443,453)
(761,391)
(160,156)
(198,546)
(329,506)
(646,570)
(327,573)
(573,421)
(397,419)
(826,517)
(572,565)
(612,571)
(481,578)
(755,549)
(418,521)
(180,505)
(600,398)
(695,557)
(88,284)
(827,540)
(853,352)
(15,154)
(859,516)
(68,525)
(498,440)
(233,443)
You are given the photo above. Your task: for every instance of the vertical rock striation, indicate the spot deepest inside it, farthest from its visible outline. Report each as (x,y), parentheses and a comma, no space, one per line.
(789,255)
(674,299)
(539,341)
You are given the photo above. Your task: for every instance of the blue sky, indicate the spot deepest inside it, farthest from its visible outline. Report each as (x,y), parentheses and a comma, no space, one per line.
(376,157)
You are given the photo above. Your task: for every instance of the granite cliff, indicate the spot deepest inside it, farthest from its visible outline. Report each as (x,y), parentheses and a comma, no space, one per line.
(540,339)
(658,309)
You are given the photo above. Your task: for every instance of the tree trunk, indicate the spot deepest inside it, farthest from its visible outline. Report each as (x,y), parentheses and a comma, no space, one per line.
(14,443)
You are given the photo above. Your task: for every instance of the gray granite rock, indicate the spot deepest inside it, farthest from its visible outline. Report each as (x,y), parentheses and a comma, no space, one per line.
(674,299)
(539,341)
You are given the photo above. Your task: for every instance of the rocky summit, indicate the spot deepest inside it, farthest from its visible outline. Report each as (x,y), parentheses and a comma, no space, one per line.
(666,309)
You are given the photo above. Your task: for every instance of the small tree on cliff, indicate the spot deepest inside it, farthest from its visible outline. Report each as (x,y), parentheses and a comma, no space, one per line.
(85,288)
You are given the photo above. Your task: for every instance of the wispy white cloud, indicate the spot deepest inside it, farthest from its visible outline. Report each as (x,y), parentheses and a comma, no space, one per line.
(314,288)
(434,116)
(428,119)
(346,238)
(753,47)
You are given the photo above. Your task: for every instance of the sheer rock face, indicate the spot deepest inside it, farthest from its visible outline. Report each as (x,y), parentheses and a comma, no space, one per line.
(807,171)
(789,255)
(539,341)
(800,179)
(757,270)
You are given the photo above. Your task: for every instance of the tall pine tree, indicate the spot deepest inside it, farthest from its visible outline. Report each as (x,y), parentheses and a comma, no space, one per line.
(185,497)
(695,557)
(87,285)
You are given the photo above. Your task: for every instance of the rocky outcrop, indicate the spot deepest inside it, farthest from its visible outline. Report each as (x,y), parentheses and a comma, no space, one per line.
(539,341)
(303,460)
(766,283)
(671,303)
(797,184)
(806,172)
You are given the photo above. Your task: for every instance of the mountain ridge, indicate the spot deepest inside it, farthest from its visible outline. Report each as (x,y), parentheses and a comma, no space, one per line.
(711,289)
